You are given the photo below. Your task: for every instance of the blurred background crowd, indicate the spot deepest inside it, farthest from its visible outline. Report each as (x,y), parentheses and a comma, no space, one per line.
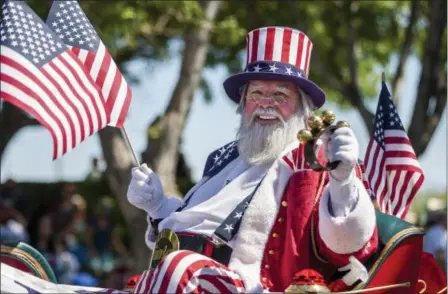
(83,238)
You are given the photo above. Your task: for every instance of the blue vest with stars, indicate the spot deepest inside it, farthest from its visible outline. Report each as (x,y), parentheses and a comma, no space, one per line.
(220,158)
(216,162)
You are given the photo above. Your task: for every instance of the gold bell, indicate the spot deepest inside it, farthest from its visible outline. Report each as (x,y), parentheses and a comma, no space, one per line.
(307,289)
(315,122)
(304,136)
(342,124)
(328,117)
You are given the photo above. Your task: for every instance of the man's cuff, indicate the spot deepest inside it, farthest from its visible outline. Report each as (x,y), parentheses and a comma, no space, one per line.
(348,233)
(164,208)
(343,195)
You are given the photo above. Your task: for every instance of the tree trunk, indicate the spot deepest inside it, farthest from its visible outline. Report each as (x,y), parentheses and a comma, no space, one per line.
(12,120)
(431,94)
(118,173)
(163,150)
(162,153)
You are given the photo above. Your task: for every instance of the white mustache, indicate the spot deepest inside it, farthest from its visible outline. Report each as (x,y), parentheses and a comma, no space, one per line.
(266,111)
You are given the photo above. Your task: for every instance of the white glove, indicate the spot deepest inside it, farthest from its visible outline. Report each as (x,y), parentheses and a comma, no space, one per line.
(145,190)
(342,145)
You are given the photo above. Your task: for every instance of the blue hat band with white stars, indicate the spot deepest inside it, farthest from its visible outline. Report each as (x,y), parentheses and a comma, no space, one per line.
(275,67)
(272,70)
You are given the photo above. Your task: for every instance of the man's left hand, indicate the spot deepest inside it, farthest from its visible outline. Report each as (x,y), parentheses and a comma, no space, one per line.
(341,145)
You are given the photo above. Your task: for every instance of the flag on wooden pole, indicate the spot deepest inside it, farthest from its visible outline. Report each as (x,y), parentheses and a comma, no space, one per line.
(392,168)
(69,22)
(42,76)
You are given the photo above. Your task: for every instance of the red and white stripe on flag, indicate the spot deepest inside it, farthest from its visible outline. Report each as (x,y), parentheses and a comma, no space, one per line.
(394,173)
(284,45)
(40,75)
(81,37)
(109,79)
(60,95)
(392,168)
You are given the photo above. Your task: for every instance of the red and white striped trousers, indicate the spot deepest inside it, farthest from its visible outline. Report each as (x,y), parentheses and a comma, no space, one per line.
(189,272)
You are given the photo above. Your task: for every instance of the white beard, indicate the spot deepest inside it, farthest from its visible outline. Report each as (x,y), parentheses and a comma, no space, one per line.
(262,144)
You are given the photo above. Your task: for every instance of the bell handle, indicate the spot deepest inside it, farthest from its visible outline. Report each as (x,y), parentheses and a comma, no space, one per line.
(310,154)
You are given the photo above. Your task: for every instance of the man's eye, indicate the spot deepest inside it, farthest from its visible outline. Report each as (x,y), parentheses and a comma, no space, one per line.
(280,99)
(255,96)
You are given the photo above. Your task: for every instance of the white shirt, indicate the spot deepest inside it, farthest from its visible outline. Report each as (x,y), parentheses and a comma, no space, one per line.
(214,200)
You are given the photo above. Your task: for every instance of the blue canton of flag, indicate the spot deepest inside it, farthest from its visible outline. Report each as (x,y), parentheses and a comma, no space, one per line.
(218,159)
(69,22)
(23,31)
(386,118)
(392,169)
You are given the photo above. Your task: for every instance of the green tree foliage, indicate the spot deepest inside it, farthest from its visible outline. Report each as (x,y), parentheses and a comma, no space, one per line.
(354,41)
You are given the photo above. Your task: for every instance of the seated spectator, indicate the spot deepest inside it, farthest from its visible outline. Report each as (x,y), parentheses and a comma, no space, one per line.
(12,196)
(95,173)
(12,226)
(63,213)
(67,266)
(76,232)
(103,242)
(55,223)
(435,240)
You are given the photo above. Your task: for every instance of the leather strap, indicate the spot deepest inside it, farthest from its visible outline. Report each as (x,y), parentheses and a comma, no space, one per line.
(203,245)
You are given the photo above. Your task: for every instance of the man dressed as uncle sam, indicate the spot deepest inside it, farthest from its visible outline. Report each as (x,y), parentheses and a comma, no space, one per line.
(260,215)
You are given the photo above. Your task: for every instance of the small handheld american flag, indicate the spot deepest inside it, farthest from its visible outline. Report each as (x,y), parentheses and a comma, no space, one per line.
(392,167)
(69,22)
(40,75)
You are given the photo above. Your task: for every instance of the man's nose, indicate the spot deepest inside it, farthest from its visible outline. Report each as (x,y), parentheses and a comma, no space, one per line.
(266,102)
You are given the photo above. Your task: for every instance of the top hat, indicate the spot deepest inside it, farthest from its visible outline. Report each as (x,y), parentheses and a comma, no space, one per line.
(276,53)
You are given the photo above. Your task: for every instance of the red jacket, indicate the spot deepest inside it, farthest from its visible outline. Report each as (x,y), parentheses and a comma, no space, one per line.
(295,242)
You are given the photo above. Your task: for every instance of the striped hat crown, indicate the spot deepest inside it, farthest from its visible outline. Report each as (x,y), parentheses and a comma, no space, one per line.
(285,45)
(276,53)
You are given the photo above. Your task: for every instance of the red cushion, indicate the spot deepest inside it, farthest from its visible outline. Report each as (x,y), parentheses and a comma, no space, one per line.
(16,264)
(389,273)
(431,273)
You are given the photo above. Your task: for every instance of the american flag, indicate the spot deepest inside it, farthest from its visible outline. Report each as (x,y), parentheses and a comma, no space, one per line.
(40,75)
(69,22)
(392,168)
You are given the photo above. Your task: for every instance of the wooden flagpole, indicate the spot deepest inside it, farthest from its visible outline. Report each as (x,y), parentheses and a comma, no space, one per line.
(126,137)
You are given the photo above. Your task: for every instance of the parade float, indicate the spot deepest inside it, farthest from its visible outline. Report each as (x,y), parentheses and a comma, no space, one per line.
(398,266)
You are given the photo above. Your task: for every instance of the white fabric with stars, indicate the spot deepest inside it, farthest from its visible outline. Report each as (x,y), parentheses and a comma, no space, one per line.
(214,201)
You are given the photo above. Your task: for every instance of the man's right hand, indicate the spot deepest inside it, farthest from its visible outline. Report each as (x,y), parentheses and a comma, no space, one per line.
(145,190)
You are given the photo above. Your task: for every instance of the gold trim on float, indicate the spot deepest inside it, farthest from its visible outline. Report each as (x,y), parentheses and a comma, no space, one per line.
(316,199)
(441,291)
(424,286)
(389,244)
(25,255)
(393,286)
